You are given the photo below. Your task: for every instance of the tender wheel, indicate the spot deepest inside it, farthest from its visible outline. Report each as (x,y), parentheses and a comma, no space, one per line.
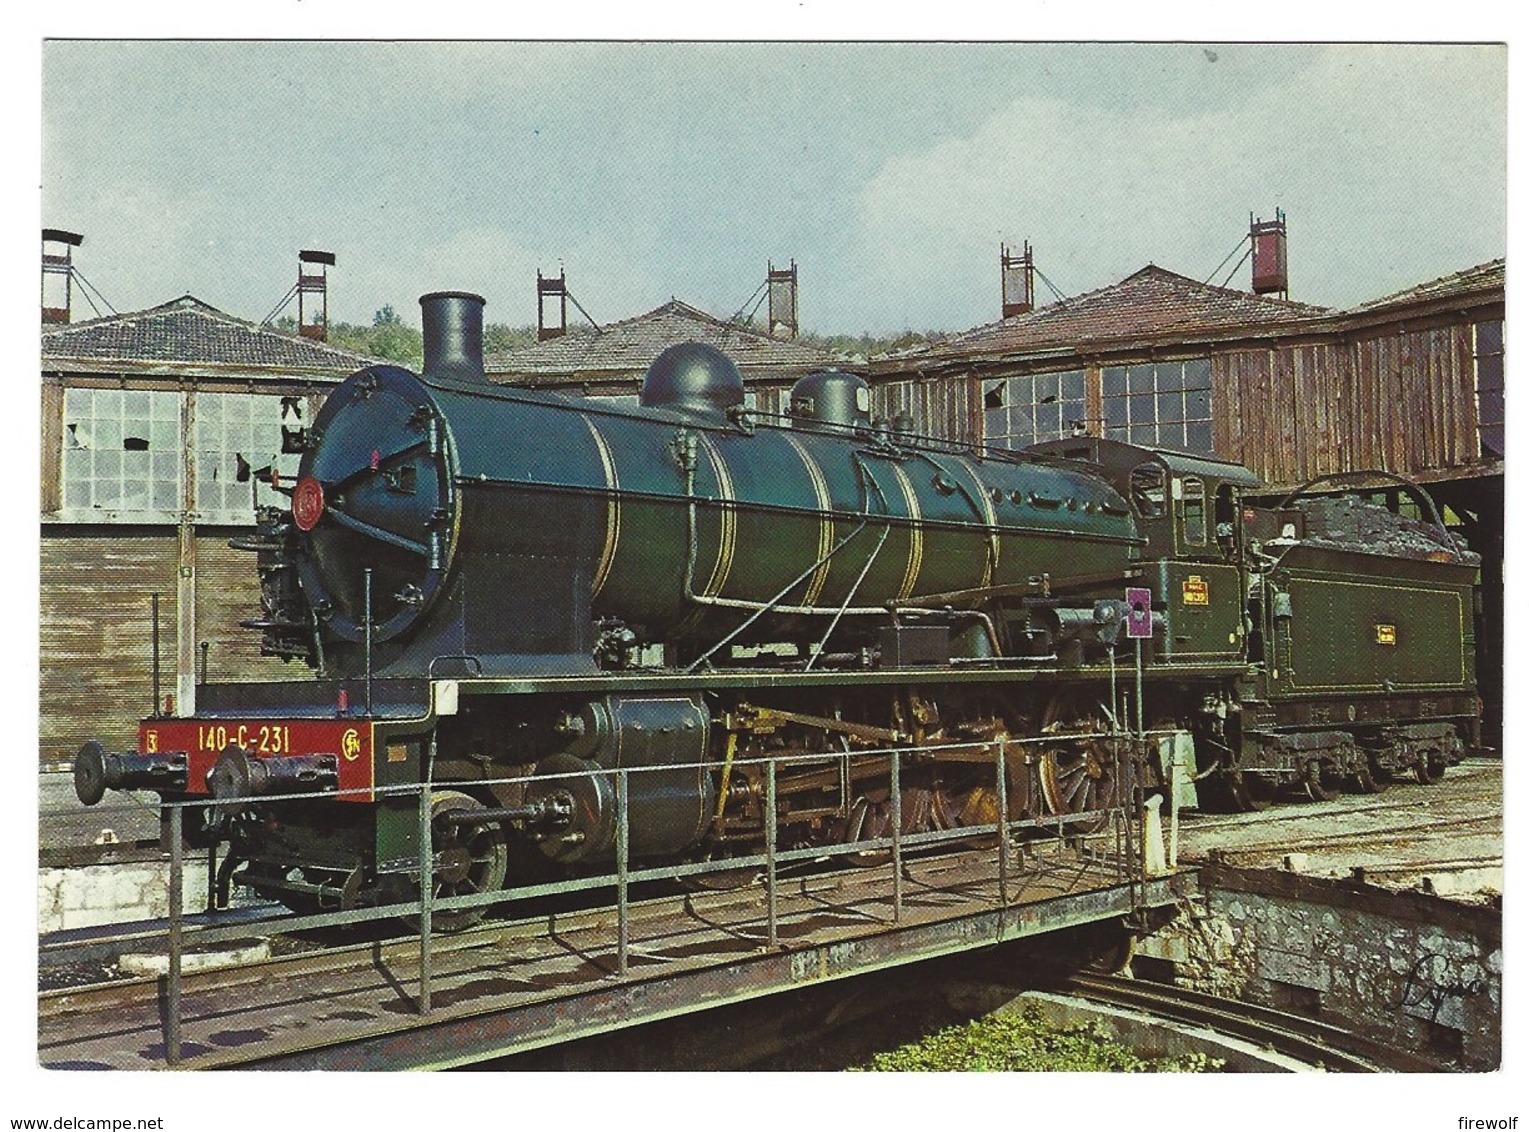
(1430,768)
(471,858)
(1318,782)
(1244,794)
(1366,780)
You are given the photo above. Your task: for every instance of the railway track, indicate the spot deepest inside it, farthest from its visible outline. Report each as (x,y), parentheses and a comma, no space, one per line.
(1418,831)
(1318,1044)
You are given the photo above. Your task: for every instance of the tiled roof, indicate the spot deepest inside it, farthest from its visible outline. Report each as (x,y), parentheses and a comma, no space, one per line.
(1483,277)
(627,347)
(1153,304)
(188,332)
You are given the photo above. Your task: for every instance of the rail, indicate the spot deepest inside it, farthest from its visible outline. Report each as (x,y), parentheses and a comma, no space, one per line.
(1308,1040)
(1112,844)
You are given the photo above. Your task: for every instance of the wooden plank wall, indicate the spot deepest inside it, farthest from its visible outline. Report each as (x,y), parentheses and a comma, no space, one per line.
(1399,402)
(95,648)
(227,592)
(52,446)
(947,408)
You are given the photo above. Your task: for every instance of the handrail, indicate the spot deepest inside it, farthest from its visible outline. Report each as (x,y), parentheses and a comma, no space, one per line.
(1413,488)
(427,906)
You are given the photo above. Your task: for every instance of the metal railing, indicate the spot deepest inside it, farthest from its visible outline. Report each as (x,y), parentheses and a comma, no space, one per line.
(1116,826)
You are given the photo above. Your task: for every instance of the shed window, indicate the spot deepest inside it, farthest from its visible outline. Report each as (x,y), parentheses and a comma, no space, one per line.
(121,452)
(1033,407)
(1489,387)
(1159,405)
(236,435)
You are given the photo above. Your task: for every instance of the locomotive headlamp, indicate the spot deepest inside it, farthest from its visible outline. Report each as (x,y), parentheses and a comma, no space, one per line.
(307,503)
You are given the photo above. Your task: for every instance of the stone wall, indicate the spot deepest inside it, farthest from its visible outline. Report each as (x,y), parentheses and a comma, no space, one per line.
(1411,969)
(112,894)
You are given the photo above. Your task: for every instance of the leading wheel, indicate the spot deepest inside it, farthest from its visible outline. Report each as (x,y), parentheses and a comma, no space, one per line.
(470,857)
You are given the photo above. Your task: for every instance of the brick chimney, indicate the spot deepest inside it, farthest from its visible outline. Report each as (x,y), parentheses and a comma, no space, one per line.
(1271,274)
(1017,279)
(313,279)
(781,284)
(58,274)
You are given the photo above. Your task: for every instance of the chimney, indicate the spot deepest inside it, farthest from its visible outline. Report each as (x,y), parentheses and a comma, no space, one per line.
(1017,280)
(58,274)
(313,279)
(453,330)
(550,288)
(1271,274)
(781,285)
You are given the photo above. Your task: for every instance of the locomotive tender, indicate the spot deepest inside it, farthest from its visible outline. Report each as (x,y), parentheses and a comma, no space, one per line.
(501,584)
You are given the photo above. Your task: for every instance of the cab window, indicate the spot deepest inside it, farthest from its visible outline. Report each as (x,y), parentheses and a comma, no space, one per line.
(1147,490)
(1191,500)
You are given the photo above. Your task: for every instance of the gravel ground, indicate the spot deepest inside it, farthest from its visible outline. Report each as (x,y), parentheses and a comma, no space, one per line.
(1449,833)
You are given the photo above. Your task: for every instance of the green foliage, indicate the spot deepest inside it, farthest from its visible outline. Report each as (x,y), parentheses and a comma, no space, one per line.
(499,336)
(1021,1041)
(390,338)
(866,345)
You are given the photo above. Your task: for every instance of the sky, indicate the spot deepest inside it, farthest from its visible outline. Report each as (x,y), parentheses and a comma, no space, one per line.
(891,173)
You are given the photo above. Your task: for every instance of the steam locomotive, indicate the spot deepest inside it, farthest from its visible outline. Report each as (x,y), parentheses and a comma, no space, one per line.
(500,589)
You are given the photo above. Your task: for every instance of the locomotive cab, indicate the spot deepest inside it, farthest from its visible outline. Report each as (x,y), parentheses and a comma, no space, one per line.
(1189,510)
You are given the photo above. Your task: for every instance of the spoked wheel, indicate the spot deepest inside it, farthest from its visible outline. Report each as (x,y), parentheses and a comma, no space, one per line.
(1076,775)
(471,857)
(1366,780)
(926,806)
(1319,782)
(1430,768)
(870,818)
(1075,778)
(1077,781)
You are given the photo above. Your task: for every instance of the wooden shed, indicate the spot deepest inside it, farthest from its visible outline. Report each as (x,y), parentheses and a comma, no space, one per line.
(152,422)
(1410,383)
(610,361)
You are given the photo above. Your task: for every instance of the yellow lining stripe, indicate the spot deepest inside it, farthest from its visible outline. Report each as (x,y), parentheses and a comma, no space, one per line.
(994,542)
(825,524)
(915,533)
(612,510)
(727,541)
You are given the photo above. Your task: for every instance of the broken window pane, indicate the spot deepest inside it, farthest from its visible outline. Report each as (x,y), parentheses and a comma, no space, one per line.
(108,437)
(234,431)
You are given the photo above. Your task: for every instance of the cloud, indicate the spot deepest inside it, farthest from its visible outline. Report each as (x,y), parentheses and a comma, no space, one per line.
(1387,160)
